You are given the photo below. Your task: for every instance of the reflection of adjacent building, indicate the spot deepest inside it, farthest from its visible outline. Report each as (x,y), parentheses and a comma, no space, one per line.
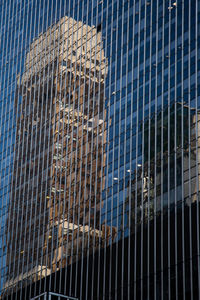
(59,157)
(158,178)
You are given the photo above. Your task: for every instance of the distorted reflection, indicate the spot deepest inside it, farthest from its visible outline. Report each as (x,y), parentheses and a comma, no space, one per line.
(60,152)
(158,185)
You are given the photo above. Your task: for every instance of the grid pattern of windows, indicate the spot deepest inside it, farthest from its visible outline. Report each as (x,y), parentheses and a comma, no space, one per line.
(100,149)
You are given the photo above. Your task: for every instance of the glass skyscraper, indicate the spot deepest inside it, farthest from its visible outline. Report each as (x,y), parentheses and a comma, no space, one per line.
(100,149)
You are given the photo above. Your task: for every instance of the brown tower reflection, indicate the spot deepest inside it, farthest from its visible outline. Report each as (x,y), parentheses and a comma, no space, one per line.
(60,152)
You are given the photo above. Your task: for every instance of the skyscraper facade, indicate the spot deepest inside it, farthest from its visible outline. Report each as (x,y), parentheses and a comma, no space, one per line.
(100,149)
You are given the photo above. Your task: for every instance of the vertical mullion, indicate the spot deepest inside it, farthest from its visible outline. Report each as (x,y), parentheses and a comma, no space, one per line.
(131,173)
(68,133)
(155,163)
(107,158)
(175,158)
(143,160)
(149,161)
(52,30)
(68,154)
(43,158)
(79,190)
(101,51)
(91,150)
(118,156)
(189,153)
(63,163)
(54,222)
(197,147)
(125,285)
(57,141)
(169,144)
(120,213)
(162,155)
(72,190)
(137,163)
(59,26)
(102,170)
(88,32)
(182,153)
(106,179)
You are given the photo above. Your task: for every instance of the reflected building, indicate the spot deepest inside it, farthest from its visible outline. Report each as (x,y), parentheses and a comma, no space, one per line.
(148,181)
(61,135)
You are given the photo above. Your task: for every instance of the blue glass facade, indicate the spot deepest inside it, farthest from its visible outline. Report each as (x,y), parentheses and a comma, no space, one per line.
(100,149)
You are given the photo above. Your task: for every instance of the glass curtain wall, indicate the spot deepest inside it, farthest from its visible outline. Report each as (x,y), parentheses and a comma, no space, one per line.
(99,149)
